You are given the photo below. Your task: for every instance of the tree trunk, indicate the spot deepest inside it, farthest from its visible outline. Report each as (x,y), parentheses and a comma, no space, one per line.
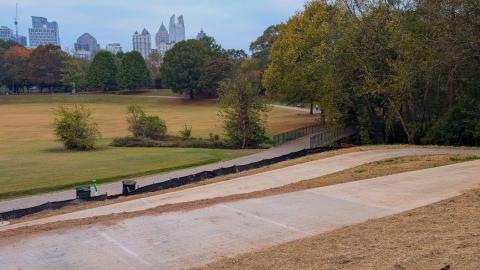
(405,128)
(191,94)
(311,108)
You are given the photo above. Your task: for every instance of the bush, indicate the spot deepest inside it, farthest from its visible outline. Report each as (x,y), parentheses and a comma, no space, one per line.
(186,133)
(143,125)
(460,126)
(74,127)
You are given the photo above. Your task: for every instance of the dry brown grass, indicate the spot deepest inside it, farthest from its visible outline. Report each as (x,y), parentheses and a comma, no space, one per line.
(431,237)
(375,169)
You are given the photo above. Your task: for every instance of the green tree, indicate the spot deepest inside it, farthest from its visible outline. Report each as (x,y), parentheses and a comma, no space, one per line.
(74,73)
(133,73)
(184,65)
(102,72)
(243,108)
(75,128)
(261,48)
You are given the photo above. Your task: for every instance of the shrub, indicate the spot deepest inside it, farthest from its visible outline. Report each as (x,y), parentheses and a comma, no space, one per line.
(143,125)
(186,133)
(75,128)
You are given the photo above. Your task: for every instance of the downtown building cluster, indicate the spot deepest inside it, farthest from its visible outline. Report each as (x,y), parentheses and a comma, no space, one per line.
(164,39)
(45,32)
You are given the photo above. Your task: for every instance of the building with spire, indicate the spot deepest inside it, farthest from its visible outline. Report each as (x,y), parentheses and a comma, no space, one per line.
(201,34)
(43,32)
(162,40)
(142,43)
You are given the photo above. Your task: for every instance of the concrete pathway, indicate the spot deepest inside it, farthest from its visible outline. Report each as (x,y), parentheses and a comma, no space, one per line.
(115,188)
(186,239)
(247,184)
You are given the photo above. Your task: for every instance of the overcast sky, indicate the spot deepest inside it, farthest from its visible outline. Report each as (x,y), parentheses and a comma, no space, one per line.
(233,23)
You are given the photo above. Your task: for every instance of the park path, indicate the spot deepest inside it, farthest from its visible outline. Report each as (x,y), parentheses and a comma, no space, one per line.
(246,184)
(186,239)
(115,188)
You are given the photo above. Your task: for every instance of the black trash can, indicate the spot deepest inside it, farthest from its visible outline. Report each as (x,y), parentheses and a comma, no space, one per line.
(83,193)
(129,186)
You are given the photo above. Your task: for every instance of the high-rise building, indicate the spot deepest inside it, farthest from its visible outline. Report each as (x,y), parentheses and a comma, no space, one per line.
(180,30)
(43,32)
(7,34)
(177,29)
(201,34)
(114,48)
(162,40)
(86,46)
(142,43)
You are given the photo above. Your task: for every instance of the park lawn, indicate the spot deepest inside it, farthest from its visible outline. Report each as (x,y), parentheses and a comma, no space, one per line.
(32,161)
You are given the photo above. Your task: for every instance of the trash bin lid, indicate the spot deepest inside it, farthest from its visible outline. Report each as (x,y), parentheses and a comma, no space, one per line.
(83,188)
(129,182)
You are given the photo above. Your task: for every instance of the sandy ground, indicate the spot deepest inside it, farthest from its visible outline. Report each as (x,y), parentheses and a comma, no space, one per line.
(431,237)
(367,171)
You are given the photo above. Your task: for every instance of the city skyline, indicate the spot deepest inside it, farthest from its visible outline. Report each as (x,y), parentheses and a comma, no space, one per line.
(114,22)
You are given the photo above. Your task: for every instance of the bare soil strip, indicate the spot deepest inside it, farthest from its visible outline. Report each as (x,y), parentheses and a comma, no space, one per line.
(431,237)
(371,170)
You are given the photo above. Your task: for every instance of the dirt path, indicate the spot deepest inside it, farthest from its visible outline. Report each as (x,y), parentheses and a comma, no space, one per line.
(186,239)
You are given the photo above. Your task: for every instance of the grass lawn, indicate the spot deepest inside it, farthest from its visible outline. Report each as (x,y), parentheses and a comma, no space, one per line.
(32,161)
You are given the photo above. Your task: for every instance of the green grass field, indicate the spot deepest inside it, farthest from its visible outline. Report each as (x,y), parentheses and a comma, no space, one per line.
(32,161)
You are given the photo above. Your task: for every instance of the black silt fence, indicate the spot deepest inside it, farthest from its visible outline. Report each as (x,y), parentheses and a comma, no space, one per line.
(172,183)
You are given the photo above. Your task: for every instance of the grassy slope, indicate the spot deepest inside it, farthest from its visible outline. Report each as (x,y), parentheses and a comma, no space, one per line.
(31,161)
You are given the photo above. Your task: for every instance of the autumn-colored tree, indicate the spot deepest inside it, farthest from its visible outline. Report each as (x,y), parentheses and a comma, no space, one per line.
(15,62)
(45,66)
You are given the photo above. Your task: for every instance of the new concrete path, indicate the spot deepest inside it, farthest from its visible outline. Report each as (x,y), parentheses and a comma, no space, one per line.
(247,184)
(116,187)
(186,239)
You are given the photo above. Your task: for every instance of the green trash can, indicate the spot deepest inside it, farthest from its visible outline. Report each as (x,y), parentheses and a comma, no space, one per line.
(129,186)
(83,193)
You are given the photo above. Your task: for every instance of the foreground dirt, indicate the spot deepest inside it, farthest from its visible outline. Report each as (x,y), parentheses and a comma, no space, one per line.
(431,237)
(371,170)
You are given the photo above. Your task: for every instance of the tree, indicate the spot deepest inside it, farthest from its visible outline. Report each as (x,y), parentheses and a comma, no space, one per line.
(154,61)
(213,72)
(133,73)
(75,127)
(261,48)
(45,66)
(74,73)
(184,65)
(243,108)
(15,62)
(102,73)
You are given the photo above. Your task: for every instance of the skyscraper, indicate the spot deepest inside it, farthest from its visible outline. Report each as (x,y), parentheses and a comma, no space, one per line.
(7,34)
(86,46)
(114,48)
(180,30)
(177,29)
(171,29)
(142,43)
(162,40)
(43,32)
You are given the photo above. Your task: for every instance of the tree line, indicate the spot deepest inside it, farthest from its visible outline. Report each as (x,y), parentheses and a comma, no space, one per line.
(397,71)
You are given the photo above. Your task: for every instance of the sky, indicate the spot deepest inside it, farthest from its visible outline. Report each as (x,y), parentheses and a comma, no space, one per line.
(233,23)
